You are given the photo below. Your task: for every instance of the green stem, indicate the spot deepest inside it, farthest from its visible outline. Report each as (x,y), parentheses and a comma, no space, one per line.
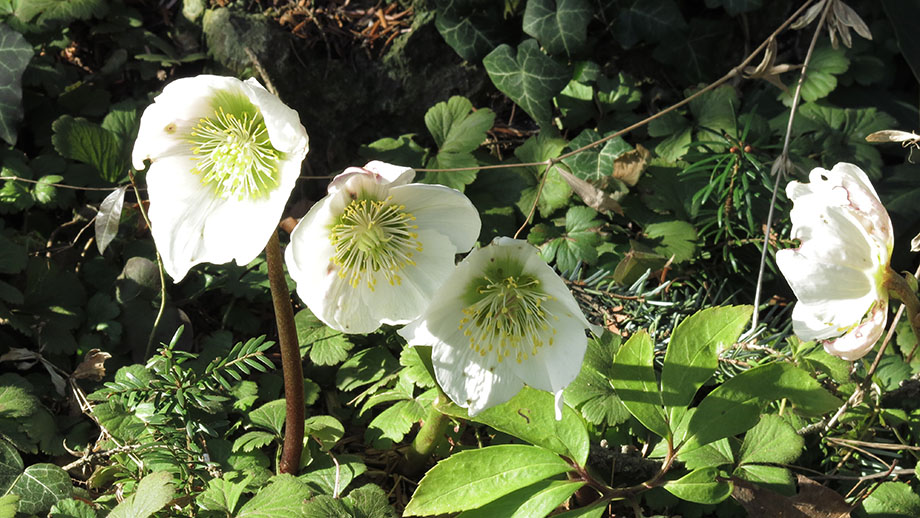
(431,432)
(290,358)
(156,322)
(904,291)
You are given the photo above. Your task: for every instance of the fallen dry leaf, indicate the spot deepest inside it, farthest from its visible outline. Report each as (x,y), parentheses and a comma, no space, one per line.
(630,165)
(93,366)
(812,501)
(594,197)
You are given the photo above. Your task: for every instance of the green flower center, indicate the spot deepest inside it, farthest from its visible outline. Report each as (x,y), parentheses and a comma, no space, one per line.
(374,238)
(233,153)
(508,318)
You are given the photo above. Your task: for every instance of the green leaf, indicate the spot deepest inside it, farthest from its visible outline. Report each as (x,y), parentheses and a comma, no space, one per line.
(253,440)
(396,421)
(714,454)
(678,132)
(693,353)
(633,378)
(591,391)
(270,416)
(470,27)
(772,440)
(826,63)
(700,486)
(556,191)
(370,501)
(90,143)
(328,476)
(649,20)
(284,497)
(472,478)
(325,345)
(528,77)
(11,465)
(534,501)
(716,110)
(416,367)
(735,406)
(9,504)
(772,477)
(675,239)
(365,367)
(530,416)
(591,511)
(892,500)
(595,164)
(153,493)
(16,402)
(694,53)
(63,11)
(15,54)
(39,487)
(324,429)
(559,25)
(13,259)
(44,191)
(578,243)
(457,133)
(402,150)
(223,494)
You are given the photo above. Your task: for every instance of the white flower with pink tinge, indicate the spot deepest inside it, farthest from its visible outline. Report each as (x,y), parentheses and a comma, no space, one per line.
(838,272)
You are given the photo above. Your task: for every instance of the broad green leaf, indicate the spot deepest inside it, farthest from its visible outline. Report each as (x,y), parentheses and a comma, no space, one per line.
(735,7)
(416,363)
(693,353)
(39,487)
(695,52)
(87,142)
(735,406)
(528,76)
(578,243)
(633,378)
(153,493)
(328,476)
(396,421)
(559,25)
(530,416)
(772,477)
(825,65)
(223,494)
(772,440)
(365,367)
(63,11)
(591,392)
(45,192)
(714,454)
(324,429)
(675,239)
(648,20)
(108,217)
(122,121)
(15,54)
(284,497)
(470,27)
(591,511)
(892,500)
(16,402)
(325,345)
(556,191)
(472,478)
(253,440)
(270,416)
(716,110)
(370,501)
(534,501)
(678,134)
(457,132)
(402,150)
(700,486)
(595,164)
(9,504)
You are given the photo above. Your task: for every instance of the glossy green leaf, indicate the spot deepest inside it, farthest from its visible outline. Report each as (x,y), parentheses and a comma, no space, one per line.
(528,76)
(692,354)
(700,486)
(472,478)
(892,500)
(648,20)
(559,25)
(457,131)
(534,501)
(153,493)
(15,53)
(283,497)
(633,377)
(591,392)
(470,27)
(714,454)
(270,416)
(556,191)
(772,440)
(87,142)
(11,465)
(40,486)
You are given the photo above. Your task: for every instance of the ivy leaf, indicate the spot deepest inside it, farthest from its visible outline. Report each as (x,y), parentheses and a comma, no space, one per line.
(15,54)
(283,497)
(153,493)
(694,53)
(648,20)
(528,77)
(90,143)
(826,64)
(457,133)
(469,26)
(39,487)
(559,25)
(595,164)
(11,465)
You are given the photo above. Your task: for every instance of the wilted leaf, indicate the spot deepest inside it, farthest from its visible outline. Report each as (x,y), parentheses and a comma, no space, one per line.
(813,501)
(630,165)
(93,365)
(596,198)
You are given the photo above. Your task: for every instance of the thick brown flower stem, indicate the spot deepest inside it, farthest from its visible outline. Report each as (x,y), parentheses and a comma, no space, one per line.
(906,293)
(431,432)
(290,358)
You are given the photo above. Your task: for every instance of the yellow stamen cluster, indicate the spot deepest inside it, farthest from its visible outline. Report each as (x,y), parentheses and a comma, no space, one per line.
(374,238)
(234,155)
(508,319)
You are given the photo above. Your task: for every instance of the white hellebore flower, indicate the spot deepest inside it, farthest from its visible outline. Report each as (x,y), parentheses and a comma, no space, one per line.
(839,270)
(225,155)
(375,249)
(501,320)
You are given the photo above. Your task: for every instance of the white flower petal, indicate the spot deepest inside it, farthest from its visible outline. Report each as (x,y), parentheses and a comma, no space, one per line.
(443,209)
(283,123)
(861,339)
(555,366)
